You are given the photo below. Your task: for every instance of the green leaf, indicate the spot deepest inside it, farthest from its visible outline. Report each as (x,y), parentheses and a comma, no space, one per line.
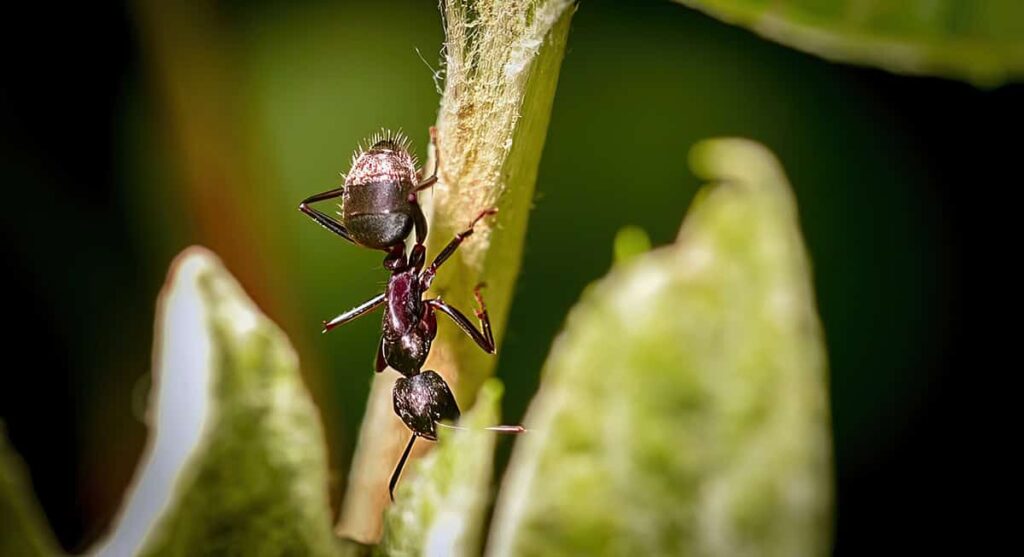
(23,527)
(236,459)
(440,509)
(502,65)
(683,411)
(981,41)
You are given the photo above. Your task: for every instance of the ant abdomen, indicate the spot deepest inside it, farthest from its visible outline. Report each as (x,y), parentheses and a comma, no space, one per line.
(423,400)
(379,231)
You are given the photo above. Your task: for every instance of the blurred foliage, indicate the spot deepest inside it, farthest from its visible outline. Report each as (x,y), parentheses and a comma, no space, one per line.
(307,80)
(684,408)
(23,528)
(635,93)
(236,462)
(441,504)
(981,41)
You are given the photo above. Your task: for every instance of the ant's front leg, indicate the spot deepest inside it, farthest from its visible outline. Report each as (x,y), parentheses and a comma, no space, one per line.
(428,275)
(484,339)
(324,219)
(358,311)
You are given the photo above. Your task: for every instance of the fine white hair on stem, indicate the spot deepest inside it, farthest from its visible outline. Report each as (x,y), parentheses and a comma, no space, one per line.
(488,55)
(436,74)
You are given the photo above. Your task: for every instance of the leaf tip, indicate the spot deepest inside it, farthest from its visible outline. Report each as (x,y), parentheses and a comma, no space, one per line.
(630,241)
(734,159)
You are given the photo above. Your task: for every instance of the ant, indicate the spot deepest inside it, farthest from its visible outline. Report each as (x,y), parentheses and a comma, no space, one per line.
(379,217)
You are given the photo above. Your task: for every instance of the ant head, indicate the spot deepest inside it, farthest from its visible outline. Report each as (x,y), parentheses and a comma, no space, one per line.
(422,401)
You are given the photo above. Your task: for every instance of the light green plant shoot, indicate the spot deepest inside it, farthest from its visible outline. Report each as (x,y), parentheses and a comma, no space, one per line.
(683,411)
(236,461)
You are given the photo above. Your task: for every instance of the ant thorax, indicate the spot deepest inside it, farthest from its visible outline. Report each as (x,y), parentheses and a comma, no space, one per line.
(404,306)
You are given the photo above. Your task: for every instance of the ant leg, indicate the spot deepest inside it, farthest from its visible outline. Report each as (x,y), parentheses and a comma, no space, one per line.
(510,429)
(358,311)
(484,339)
(429,182)
(381,363)
(428,275)
(437,163)
(324,219)
(419,220)
(417,212)
(419,251)
(398,469)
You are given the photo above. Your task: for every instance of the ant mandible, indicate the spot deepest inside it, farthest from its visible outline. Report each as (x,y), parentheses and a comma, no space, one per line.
(379,217)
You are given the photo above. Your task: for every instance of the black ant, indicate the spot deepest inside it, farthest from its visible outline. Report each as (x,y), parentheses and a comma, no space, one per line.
(421,399)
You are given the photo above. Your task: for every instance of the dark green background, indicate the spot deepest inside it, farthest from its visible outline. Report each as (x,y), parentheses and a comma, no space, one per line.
(94,211)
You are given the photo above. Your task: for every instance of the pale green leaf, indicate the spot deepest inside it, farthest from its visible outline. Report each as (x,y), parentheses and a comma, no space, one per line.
(683,411)
(442,502)
(236,461)
(981,41)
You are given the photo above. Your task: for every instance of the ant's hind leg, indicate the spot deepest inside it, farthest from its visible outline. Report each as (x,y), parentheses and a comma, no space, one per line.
(484,339)
(324,219)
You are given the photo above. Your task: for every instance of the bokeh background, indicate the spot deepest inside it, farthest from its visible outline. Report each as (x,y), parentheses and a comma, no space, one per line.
(128,132)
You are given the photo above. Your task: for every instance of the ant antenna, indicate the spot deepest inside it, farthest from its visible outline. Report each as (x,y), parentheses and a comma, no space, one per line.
(398,469)
(497,428)
(412,439)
